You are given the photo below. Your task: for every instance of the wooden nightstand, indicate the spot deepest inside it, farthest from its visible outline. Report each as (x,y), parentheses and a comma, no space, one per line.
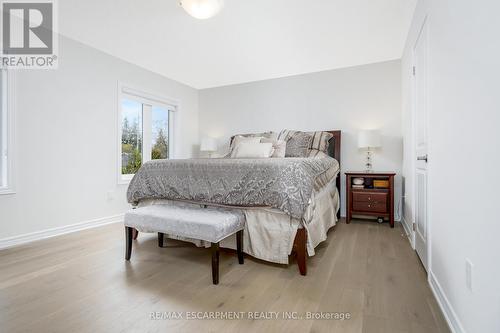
(370,200)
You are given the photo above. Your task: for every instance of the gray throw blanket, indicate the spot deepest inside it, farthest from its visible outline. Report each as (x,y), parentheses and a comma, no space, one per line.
(282,183)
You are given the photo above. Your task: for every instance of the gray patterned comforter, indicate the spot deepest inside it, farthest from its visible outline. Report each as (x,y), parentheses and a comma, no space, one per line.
(282,183)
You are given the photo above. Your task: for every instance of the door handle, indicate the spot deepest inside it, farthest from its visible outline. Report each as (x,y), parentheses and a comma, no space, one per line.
(422,158)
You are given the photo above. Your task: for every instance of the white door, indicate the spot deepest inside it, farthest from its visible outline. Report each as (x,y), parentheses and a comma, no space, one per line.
(420,117)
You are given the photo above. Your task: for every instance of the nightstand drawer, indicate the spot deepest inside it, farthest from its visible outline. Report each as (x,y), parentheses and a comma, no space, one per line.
(367,206)
(373,197)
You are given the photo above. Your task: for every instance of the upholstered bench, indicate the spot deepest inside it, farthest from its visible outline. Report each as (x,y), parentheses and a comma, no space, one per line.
(207,224)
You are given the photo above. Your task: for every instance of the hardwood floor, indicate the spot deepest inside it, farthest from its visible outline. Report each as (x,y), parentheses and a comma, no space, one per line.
(81,283)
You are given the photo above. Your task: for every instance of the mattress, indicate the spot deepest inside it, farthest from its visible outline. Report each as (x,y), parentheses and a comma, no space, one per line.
(285,184)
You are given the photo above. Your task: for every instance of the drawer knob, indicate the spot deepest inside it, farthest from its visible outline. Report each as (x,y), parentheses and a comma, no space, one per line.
(369,206)
(369,198)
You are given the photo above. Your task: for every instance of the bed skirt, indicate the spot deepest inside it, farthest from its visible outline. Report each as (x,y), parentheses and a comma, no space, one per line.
(269,233)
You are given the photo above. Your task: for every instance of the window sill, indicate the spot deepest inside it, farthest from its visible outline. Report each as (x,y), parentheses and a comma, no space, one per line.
(7,191)
(124,179)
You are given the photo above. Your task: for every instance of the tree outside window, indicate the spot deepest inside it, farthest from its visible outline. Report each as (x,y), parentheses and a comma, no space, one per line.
(140,120)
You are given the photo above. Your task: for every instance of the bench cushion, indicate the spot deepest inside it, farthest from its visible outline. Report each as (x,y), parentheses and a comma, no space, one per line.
(208,224)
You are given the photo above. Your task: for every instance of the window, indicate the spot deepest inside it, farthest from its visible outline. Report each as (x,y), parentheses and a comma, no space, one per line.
(131,136)
(145,130)
(6,160)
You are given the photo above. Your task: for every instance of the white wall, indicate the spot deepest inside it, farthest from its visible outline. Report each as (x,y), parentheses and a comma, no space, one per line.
(464,103)
(66,139)
(346,99)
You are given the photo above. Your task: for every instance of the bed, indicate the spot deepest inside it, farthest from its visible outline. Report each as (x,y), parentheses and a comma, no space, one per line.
(289,203)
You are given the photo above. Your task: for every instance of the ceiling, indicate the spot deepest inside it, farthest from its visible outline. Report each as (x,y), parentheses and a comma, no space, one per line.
(248,40)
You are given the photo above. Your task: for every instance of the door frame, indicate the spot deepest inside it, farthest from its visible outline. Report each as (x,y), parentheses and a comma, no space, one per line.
(423,24)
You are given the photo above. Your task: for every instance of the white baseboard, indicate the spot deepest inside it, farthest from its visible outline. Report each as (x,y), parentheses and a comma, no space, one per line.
(449,314)
(37,235)
(408,228)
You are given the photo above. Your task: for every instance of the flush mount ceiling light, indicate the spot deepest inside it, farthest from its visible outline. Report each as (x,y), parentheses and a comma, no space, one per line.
(202,9)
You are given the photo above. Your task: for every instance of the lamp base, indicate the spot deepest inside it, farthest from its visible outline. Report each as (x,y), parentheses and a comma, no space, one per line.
(368,164)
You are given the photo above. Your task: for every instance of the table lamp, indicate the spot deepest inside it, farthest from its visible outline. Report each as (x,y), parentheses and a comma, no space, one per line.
(369,140)
(209,145)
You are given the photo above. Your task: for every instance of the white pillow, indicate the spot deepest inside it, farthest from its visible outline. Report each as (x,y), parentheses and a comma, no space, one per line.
(253,150)
(278,145)
(240,138)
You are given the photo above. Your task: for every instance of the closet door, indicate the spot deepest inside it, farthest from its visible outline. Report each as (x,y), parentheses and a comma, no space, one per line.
(421,124)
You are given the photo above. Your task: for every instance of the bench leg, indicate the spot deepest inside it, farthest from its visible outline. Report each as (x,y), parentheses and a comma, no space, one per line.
(239,246)
(215,263)
(128,242)
(135,234)
(161,239)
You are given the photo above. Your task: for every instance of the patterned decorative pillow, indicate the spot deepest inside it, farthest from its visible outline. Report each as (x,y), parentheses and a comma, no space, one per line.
(298,145)
(286,134)
(319,142)
(314,153)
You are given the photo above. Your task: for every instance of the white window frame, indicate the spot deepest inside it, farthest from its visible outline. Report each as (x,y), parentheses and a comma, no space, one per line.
(148,99)
(7,151)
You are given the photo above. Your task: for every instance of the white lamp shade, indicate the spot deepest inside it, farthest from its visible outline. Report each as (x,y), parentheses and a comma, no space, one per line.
(208,144)
(202,9)
(369,139)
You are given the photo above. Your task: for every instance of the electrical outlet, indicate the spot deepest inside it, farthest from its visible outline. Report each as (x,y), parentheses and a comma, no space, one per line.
(469,267)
